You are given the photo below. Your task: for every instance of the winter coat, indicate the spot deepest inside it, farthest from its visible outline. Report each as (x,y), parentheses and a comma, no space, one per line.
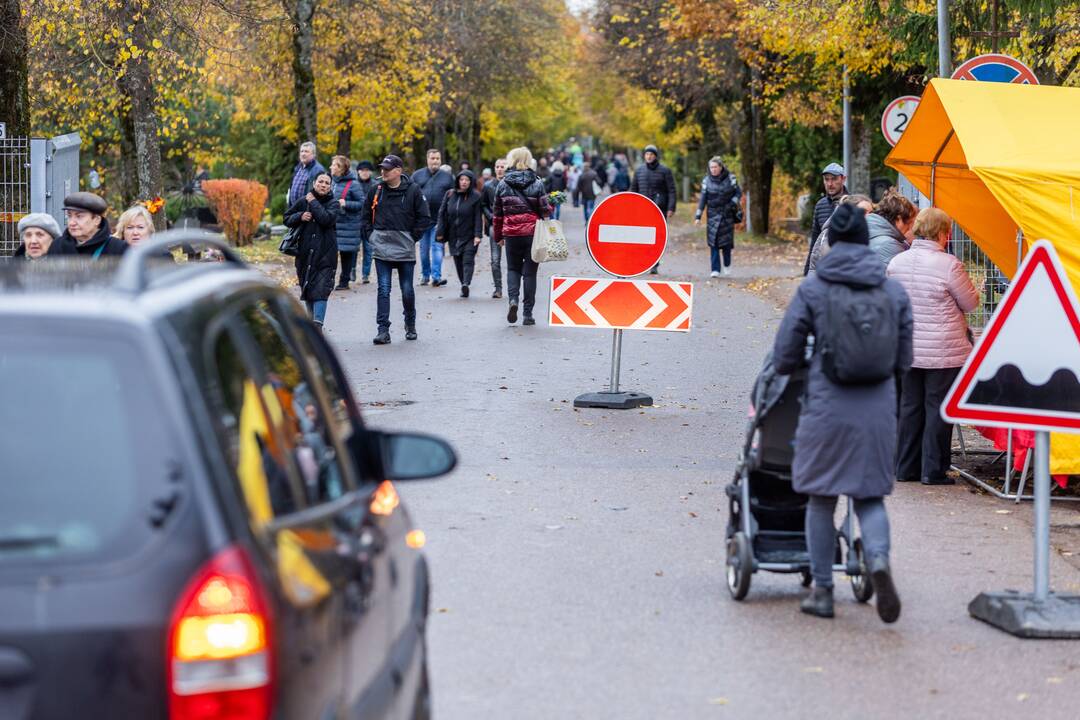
(66,245)
(585,184)
(720,195)
(655,182)
(556,182)
(845,443)
(461,217)
(823,210)
(885,238)
(316,257)
(520,201)
(348,217)
(487,194)
(434,186)
(395,219)
(941,292)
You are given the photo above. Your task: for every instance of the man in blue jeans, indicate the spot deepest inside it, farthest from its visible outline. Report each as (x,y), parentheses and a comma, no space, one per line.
(395,216)
(434,184)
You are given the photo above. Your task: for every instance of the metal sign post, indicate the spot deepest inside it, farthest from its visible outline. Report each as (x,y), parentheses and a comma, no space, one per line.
(1022,373)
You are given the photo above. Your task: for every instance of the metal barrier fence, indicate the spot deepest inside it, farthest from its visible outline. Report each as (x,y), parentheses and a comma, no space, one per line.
(14,190)
(989,281)
(35,176)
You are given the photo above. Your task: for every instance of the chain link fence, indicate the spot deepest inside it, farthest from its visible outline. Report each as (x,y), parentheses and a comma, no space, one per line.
(985,275)
(36,174)
(14,190)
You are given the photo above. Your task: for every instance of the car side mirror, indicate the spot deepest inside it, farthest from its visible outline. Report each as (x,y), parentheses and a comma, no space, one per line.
(411,456)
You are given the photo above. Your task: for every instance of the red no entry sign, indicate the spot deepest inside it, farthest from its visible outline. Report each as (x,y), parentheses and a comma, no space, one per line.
(627,234)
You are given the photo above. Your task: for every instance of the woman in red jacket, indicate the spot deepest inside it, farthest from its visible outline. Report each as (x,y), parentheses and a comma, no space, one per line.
(520,200)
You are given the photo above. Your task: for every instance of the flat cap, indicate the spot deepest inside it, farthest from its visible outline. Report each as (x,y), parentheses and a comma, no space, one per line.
(86,201)
(834,169)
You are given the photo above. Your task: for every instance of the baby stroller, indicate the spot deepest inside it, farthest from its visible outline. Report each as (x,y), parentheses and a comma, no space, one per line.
(766,518)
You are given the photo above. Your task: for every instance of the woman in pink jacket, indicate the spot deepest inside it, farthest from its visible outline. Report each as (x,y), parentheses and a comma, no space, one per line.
(941,292)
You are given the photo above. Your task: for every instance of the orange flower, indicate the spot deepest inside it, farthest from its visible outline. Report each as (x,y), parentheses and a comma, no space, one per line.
(155,205)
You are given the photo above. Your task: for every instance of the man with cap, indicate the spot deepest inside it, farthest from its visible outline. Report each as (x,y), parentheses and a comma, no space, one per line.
(846,438)
(655,181)
(367,184)
(87,230)
(395,216)
(833,177)
(37,231)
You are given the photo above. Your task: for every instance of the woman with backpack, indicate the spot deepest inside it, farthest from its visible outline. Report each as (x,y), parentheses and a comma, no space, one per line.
(845,443)
(520,200)
(720,193)
(349,194)
(461,226)
(315,214)
(941,293)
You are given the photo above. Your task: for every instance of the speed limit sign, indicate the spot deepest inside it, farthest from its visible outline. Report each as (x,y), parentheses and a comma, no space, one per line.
(897,115)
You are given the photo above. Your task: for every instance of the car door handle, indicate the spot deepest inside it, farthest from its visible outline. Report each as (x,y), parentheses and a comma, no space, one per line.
(15,667)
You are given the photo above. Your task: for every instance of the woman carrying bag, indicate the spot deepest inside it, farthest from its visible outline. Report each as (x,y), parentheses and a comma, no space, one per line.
(461,226)
(520,201)
(720,193)
(315,218)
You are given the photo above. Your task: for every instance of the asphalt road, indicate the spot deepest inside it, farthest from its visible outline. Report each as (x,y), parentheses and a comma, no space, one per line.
(577,556)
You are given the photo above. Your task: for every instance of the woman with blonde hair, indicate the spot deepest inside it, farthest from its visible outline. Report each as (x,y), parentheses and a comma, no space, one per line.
(520,200)
(135,225)
(941,293)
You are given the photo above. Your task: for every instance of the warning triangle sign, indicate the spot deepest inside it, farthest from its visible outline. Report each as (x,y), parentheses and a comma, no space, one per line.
(1024,371)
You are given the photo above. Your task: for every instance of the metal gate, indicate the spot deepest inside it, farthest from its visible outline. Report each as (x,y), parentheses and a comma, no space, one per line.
(985,275)
(35,176)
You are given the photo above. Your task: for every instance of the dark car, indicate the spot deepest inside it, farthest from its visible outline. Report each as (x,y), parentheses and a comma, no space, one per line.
(194,520)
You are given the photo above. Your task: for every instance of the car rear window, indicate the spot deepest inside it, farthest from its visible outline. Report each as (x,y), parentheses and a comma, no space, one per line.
(85,454)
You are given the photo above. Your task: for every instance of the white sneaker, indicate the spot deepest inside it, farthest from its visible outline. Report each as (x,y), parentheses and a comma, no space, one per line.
(714,274)
(726,270)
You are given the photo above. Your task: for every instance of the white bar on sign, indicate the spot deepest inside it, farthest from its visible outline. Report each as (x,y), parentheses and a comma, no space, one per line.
(630,234)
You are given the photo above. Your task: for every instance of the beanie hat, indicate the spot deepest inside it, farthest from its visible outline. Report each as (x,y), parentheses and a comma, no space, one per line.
(44,221)
(848,224)
(652,149)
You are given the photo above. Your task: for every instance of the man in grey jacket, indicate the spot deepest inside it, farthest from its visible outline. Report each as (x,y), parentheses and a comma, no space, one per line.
(395,217)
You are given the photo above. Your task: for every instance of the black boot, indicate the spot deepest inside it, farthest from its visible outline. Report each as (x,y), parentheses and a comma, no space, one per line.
(410,333)
(818,603)
(383,338)
(888,601)
(464,291)
(511,315)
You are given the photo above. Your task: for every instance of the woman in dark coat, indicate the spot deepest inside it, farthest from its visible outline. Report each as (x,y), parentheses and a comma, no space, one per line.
(316,259)
(349,195)
(461,226)
(520,201)
(845,443)
(720,193)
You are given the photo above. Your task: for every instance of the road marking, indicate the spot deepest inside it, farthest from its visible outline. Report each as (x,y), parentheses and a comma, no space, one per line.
(628,234)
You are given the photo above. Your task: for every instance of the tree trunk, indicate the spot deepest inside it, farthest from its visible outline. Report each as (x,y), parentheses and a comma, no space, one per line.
(302,14)
(137,85)
(475,151)
(14,96)
(756,163)
(344,139)
(859,173)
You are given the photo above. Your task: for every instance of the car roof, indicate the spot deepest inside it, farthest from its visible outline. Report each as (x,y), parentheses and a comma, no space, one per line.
(138,285)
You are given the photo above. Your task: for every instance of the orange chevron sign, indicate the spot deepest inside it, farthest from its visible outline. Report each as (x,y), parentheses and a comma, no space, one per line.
(620,304)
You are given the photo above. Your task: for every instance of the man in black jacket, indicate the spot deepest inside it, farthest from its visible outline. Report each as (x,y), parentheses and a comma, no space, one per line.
(395,217)
(434,182)
(656,182)
(833,177)
(87,231)
(489,222)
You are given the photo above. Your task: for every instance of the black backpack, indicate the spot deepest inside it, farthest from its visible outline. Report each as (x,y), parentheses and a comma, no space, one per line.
(860,335)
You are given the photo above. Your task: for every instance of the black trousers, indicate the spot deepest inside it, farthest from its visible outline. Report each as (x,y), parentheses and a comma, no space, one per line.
(348,266)
(465,263)
(521,270)
(925,447)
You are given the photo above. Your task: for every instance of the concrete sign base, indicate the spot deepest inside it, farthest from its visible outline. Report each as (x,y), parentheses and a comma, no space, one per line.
(613,400)
(1022,615)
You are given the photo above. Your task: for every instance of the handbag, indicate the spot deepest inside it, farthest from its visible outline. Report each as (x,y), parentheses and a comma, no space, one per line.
(596,189)
(290,244)
(549,242)
(736,212)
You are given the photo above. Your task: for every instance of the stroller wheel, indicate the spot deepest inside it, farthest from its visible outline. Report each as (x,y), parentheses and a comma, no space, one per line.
(807,578)
(740,566)
(861,587)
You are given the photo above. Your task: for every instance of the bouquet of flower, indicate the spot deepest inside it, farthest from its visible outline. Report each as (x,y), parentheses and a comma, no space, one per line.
(556,197)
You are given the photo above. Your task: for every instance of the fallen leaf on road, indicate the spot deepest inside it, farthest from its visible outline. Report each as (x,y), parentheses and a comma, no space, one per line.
(1022,697)
(718,701)
(1003,512)
(444,610)
(659,573)
(813,669)
(694,514)
(1053,681)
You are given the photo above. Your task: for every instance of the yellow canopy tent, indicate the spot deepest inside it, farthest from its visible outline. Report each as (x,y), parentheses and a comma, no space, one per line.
(999,157)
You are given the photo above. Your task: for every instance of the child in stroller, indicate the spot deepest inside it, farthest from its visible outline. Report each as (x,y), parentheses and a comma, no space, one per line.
(766,519)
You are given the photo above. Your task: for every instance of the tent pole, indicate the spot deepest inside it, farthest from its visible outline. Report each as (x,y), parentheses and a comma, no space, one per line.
(933,165)
(1019,248)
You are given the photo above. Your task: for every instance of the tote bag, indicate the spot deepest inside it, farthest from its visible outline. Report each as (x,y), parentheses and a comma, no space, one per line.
(549,242)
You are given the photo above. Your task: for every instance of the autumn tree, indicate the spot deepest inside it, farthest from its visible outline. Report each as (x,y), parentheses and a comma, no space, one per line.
(14,97)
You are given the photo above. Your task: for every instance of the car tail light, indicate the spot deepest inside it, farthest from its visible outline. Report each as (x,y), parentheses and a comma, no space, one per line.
(220,662)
